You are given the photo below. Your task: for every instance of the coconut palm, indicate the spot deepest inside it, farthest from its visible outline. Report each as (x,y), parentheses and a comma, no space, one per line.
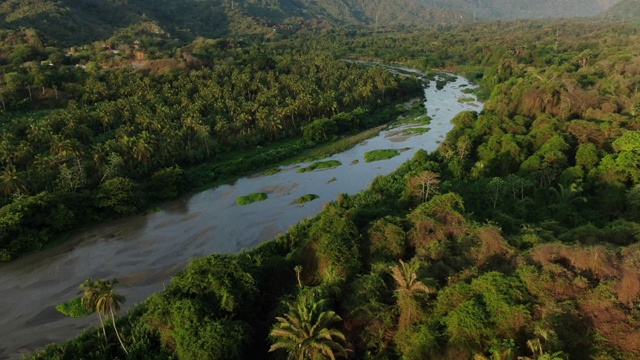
(566,195)
(306,333)
(110,301)
(101,297)
(408,288)
(90,294)
(10,182)
(541,346)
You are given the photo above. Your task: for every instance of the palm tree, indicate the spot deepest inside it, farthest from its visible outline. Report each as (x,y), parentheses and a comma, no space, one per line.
(408,288)
(110,300)
(306,333)
(90,294)
(10,182)
(540,346)
(566,195)
(100,296)
(142,151)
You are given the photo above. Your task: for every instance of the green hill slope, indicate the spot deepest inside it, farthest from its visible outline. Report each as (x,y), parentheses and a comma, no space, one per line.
(625,9)
(81,21)
(74,22)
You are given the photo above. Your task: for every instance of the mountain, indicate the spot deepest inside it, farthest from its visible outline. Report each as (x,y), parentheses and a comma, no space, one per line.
(70,22)
(525,9)
(82,21)
(625,9)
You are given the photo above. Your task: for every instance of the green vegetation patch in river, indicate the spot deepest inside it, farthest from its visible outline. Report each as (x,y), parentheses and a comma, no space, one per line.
(321,165)
(306,198)
(251,198)
(383,154)
(73,308)
(416,131)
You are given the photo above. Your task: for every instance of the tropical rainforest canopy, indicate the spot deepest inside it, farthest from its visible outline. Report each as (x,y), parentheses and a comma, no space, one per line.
(517,238)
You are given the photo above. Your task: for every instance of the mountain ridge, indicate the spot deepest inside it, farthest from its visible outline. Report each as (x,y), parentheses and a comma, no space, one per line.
(625,9)
(73,22)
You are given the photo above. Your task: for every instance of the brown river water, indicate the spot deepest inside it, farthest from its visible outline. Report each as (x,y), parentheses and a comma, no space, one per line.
(144,251)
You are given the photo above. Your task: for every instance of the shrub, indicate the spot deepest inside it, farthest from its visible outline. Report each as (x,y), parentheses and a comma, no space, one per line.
(166,183)
(319,130)
(120,196)
(336,246)
(387,240)
(73,308)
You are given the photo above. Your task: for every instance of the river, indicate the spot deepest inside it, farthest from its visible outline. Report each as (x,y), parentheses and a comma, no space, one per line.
(144,251)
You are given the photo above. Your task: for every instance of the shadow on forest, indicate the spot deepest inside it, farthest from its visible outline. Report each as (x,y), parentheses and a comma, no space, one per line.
(85,21)
(576,332)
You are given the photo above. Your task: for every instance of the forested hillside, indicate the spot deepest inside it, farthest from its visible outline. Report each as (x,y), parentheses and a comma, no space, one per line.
(69,22)
(518,238)
(625,9)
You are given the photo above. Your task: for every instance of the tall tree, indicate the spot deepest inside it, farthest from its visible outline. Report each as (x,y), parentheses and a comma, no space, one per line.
(306,331)
(101,297)
(424,184)
(407,291)
(90,294)
(10,182)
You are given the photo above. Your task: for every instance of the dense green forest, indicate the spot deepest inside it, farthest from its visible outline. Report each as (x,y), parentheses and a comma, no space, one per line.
(83,144)
(516,239)
(68,22)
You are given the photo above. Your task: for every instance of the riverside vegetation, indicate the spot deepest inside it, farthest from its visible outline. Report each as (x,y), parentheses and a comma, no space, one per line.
(87,145)
(518,238)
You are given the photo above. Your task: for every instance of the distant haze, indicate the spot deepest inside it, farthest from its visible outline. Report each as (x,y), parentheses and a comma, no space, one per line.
(624,9)
(525,9)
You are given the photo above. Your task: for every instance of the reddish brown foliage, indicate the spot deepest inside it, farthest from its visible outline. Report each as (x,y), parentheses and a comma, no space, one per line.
(587,276)
(436,220)
(628,289)
(425,232)
(612,323)
(490,246)
(585,132)
(598,260)
(555,284)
